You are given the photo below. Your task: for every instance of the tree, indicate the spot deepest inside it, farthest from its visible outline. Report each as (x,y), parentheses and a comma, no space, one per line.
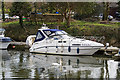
(118,6)
(8,5)
(66,9)
(20,9)
(86,9)
(3,11)
(106,11)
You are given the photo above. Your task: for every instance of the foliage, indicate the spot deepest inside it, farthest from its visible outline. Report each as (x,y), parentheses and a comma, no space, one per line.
(86,9)
(95,31)
(20,9)
(64,9)
(78,28)
(118,6)
(82,9)
(91,19)
(17,33)
(8,5)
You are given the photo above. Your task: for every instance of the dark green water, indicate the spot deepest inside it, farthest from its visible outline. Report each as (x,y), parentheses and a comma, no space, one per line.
(20,64)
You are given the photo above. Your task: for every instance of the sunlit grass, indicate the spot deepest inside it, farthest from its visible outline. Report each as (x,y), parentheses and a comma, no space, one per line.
(73,23)
(6,24)
(82,23)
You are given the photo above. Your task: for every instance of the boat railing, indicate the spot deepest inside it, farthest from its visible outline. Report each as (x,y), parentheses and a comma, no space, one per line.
(93,38)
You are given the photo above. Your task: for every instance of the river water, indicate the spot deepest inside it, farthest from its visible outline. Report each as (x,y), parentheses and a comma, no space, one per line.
(25,65)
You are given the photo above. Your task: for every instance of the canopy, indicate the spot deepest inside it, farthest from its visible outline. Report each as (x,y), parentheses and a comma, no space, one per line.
(53,30)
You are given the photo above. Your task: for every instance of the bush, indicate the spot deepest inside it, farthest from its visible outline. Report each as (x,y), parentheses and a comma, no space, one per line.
(92,19)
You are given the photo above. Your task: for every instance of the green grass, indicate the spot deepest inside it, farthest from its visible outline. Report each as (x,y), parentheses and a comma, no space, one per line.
(73,23)
(6,24)
(111,24)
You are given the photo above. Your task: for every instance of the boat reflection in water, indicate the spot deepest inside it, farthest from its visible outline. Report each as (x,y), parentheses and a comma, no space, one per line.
(20,64)
(75,67)
(4,56)
(72,67)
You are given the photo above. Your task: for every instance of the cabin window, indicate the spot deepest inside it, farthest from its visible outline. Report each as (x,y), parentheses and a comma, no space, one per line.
(39,36)
(1,33)
(48,33)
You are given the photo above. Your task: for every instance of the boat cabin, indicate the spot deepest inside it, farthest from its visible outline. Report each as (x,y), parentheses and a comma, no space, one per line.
(49,33)
(2,37)
(2,32)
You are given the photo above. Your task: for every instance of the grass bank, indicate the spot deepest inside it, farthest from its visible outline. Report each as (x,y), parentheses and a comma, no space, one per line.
(111,30)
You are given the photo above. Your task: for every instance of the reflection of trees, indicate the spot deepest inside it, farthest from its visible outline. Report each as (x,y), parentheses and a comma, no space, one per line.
(51,74)
(118,72)
(20,69)
(21,58)
(4,57)
(76,68)
(78,75)
(102,73)
(3,73)
(36,73)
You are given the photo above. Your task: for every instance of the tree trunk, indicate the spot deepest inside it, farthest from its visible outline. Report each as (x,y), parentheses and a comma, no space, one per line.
(68,22)
(20,21)
(3,13)
(68,15)
(67,18)
(21,24)
(106,11)
(35,13)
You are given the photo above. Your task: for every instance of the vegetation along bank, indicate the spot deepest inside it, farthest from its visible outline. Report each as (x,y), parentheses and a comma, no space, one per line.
(110,30)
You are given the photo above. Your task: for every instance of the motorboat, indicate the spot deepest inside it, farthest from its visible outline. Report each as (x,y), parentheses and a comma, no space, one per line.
(4,41)
(55,41)
(30,39)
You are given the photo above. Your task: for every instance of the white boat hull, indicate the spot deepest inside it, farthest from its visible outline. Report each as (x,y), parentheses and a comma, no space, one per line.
(65,51)
(4,45)
(54,41)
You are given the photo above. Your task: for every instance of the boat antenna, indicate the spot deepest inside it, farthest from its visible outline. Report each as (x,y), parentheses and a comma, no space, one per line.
(44,26)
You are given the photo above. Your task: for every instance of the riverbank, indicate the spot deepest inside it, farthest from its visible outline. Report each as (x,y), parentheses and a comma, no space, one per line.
(109,30)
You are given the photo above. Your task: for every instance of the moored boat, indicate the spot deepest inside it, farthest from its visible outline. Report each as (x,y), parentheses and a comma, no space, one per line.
(4,41)
(55,41)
